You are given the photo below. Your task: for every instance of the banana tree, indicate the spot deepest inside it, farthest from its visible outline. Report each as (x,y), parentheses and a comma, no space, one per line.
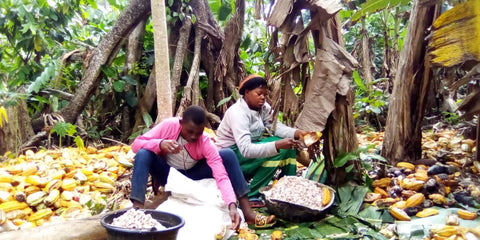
(403,134)
(455,42)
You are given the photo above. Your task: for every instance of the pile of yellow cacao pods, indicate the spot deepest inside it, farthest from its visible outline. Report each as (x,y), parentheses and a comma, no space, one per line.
(453,232)
(50,185)
(445,176)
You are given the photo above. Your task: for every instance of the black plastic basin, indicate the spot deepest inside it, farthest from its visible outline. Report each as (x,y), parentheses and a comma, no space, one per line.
(172,223)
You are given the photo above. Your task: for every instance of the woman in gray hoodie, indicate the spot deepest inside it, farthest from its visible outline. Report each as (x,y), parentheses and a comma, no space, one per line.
(242,129)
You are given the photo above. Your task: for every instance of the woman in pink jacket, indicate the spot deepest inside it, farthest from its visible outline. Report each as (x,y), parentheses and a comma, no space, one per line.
(180,143)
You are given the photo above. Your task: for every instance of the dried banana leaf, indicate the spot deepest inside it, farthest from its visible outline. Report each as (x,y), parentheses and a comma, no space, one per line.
(456,35)
(471,105)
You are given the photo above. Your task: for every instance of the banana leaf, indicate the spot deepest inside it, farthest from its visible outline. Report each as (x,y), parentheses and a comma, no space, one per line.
(373,6)
(351,199)
(316,170)
(456,35)
(419,228)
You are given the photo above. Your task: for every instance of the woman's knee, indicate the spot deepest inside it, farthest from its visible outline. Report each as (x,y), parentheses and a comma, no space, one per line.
(144,156)
(228,156)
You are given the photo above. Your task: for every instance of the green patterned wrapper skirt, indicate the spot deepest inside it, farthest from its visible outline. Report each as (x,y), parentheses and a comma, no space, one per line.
(262,170)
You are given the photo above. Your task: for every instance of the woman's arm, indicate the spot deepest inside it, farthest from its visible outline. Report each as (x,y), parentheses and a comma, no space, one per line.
(150,140)
(215,162)
(240,124)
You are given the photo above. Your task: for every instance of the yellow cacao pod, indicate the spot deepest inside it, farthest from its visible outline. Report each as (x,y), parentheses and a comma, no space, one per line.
(125,162)
(106,179)
(51,185)
(427,212)
(6,178)
(5,196)
(5,186)
(438,198)
(12,205)
(35,198)
(406,165)
(380,191)
(40,214)
(446,231)
(276,235)
(86,172)
(411,184)
(58,175)
(29,170)
(93,177)
(103,185)
(70,174)
(33,180)
(31,189)
(326,196)
(52,197)
(14,169)
(467,215)
(422,176)
(385,202)
(400,204)
(383,182)
(69,184)
(415,200)
(399,214)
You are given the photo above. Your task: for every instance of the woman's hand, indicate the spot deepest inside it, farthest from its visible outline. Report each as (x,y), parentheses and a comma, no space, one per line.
(300,133)
(234,215)
(170,146)
(286,143)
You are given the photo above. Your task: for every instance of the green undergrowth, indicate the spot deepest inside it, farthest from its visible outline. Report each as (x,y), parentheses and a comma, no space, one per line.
(344,220)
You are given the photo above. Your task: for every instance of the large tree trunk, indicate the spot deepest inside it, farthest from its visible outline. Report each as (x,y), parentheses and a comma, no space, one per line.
(133,56)
(181,50)
(146,101)
(162,71)
(193,77)
(220,58)
(17,130)
(366,59)
(403,136)
(210,48)
(135,12)
(227,69)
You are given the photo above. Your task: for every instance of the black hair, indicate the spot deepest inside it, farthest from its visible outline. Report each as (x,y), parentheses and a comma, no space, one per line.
(194,114)
(252,83)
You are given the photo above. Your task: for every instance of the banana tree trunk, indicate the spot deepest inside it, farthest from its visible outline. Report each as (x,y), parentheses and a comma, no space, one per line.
(403,133)
(366,59)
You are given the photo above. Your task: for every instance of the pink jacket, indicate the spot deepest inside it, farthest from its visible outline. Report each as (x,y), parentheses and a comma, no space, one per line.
(202,149)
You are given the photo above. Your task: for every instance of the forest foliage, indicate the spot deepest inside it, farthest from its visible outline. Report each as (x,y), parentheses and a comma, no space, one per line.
(45,46)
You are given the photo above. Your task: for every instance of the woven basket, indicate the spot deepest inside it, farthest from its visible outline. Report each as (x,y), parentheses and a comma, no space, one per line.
(294,212)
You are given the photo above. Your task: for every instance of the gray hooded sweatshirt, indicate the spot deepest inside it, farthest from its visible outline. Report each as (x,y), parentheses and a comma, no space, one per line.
(243,126)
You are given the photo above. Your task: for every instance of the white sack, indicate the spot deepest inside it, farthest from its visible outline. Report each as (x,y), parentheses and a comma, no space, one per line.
(199,203)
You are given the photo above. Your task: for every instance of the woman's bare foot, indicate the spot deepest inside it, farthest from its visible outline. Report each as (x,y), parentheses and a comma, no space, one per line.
(252,217)
(261,220)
